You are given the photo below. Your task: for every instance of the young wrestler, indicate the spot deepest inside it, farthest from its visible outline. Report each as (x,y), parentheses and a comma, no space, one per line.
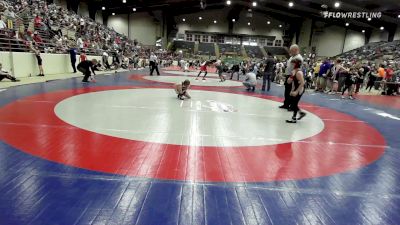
(296,81)
(181,89)
(203,68)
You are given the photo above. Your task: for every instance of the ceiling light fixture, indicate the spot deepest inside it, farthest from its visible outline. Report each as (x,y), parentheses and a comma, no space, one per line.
(233,20)
(291,4)
(280,25)
(268,22)
(254,4)
(200,18)
(134,9)
(183,19)
(103,8)
(363,31)
(228,2)
(347,24)
(249,23)
(215,21)
(337,4)
(123,1)
(369,19)
(113,14)
(382,28)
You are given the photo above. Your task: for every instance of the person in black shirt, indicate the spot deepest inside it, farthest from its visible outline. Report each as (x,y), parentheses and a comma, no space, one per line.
(235,69)
(371,81)
(85,67)
(269,66)
(296,81)
(350,80)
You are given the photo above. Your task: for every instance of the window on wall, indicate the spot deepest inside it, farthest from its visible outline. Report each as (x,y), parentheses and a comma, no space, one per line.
(205,38)
(278,42)
(246,41)
(270,43)
(213,39)
(189,37)
(221,39)
(197,37)
(262,42)
(236,41)
(180,36)
(228,40)
(253,41)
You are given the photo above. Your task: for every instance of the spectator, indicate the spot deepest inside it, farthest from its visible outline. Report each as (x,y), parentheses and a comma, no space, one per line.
(250,81)
(37,39)
(38,21)
(79,42)
(82,57)
(72,53)
(5,75)
(269,66)
(39,61)
(3,26)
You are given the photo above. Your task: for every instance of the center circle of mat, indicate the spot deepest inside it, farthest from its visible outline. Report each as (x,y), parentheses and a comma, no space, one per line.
(208,119)
(31,125)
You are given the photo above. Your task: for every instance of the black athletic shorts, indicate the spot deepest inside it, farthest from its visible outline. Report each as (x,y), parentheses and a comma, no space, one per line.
(39,60)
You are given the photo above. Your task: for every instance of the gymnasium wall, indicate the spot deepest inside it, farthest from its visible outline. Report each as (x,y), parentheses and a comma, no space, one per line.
(62,3)
(258,22)
(52,63)
(397,34)
(334,40)
(378,35)
(354,39)
(145,28)
(193,23)
(119,23)
(329,42)
(140,26)
(258,26)
(99,16)
(304,37)
(83,9)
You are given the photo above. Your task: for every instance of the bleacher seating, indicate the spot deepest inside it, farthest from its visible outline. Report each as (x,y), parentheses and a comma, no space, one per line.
(374,51)
(277,50)
(185,46)
(58,30)
(206,49)
(229,49)
(253,51)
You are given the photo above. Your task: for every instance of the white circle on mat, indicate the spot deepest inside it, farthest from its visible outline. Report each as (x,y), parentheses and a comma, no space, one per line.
(209,82)
(208,119)
(192,73)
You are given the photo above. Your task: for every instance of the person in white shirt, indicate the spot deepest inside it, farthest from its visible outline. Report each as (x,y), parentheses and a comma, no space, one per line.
(153,64)
(79,42)
(250,81)
(6,75)
(295,54)
(2,25)
(105,60)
